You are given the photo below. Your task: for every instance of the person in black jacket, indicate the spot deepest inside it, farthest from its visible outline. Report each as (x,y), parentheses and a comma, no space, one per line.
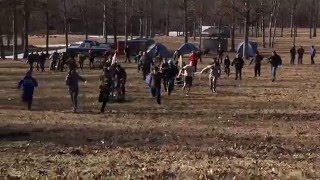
(227,64)
(293,53)
(171,75)
(238,63)
(275,61)
(257,61)
(300,55)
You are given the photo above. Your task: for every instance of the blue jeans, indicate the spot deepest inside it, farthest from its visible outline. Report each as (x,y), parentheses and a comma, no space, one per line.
(274,72)
(156,92)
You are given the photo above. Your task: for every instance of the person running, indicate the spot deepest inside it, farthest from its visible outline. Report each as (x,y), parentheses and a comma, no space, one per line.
(176,55)
(257,64)
(164,68)
(28,83)
(275,61)
(227,64)
(81,59)
(105,88)
(91,59)
(313,53)
(37,58)
(300,55)
(214,74)
(145,65)
(188,73)
(54,60)
(156,79)
(72,81)
(127,53)
(238,63)
(137,57)
(63,61)
(42,60)
(72,63)
(193,59)
(121,81)
(220,52)
(293,53)
(31,60)
(171,75)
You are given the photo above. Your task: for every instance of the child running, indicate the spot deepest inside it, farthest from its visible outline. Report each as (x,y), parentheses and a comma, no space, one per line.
(28,83)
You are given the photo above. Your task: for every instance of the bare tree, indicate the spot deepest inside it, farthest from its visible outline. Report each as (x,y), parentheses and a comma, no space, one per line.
(275,22)
(233,49)
(14,30)
(115,21)
(105,21)
(292,17)
(168,4)
(66,23)
(126,21)
(185,9)
(246,27)
(272,17)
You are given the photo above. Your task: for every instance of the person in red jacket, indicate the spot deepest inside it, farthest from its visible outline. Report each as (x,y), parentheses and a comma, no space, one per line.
(194,60)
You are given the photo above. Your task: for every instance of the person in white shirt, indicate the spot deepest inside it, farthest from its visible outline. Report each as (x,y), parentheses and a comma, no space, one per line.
(214,74)
(188,73)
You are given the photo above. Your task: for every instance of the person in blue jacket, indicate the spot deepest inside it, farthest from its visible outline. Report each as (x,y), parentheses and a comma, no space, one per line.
(28,83)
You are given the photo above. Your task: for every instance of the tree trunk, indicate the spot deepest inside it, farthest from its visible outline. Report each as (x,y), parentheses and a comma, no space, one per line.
(311,22)
(270,24)
(114,22)
(263,25)
(201,24)
(25,43)
(315,22)
(131,19)
(185,7)
(125,22)
(168,17)
(282,26)
(294,35)
(141,20)
(275,23)
(14,30)
(233,29)
(47,30)
(66,25)
(246,28)
(292,19)
(151,25)
(2,55)
(105,22)
(146,19)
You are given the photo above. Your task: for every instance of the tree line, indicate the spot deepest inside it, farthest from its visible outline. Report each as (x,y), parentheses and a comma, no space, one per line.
(145,18)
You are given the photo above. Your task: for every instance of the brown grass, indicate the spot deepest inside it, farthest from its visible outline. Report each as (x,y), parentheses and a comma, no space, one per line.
(258,130)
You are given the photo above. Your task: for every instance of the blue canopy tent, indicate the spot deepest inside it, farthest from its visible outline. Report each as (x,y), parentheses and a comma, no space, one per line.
(187,48)
(158,49)
(252,49)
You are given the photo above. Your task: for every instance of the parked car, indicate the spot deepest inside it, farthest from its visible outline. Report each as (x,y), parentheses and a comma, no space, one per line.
(98,48)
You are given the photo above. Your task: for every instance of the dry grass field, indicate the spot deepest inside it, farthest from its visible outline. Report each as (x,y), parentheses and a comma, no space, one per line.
(254,129)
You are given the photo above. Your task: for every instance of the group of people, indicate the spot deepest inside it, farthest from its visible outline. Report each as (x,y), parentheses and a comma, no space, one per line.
(300,51)
(112,81)
(157,72)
